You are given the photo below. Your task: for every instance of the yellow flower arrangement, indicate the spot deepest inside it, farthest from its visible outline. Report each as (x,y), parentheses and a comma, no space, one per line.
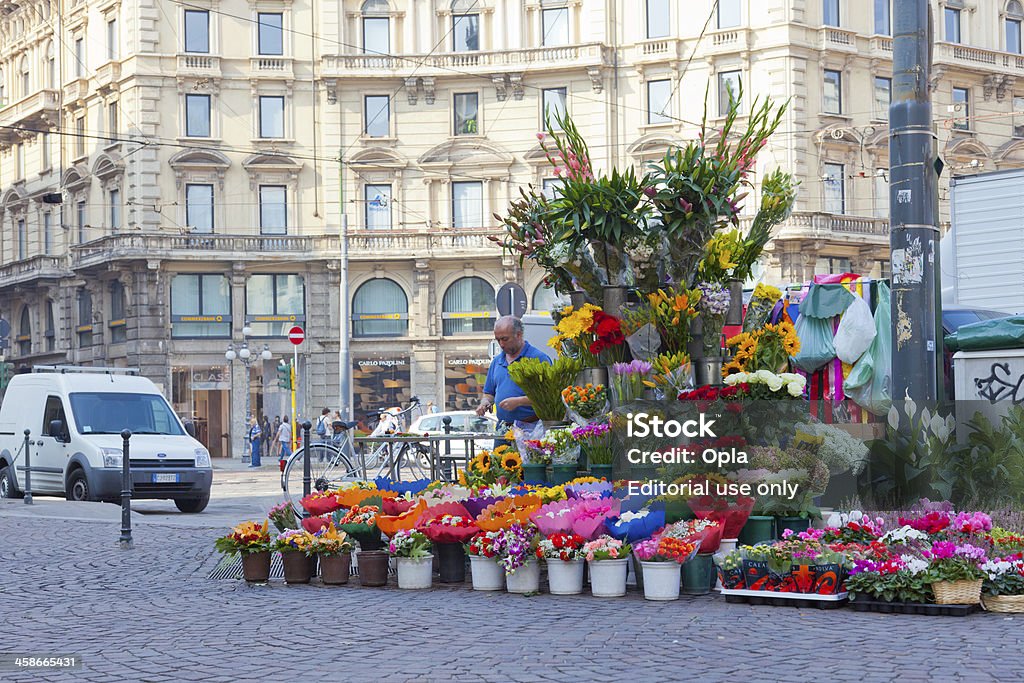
(549,494)
(489,467)
(763,291)
(767,348)
(721,255)
(574,323)
(671,312)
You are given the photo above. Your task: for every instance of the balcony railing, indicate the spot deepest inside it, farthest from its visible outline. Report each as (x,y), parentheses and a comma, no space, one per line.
(35,268)
(834,226)
(276,67)
(38,110)
(832,38)
(557,57)
(976,57)
(363,245)
(199,65)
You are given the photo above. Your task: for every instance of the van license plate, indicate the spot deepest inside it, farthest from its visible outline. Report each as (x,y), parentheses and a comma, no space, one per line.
(165,478)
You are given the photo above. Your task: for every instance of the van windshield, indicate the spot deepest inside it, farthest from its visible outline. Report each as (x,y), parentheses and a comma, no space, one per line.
(110,413)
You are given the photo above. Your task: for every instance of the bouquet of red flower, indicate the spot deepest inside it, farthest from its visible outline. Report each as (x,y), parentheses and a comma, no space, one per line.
(731,512)
(321,503)
(484,544)
(447,523)
(396,506)
(609,341)
(564,547)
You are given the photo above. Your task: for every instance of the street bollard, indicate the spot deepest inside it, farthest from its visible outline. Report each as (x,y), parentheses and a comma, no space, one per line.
(28,468)
(307,478)
(447,469)
(126,494)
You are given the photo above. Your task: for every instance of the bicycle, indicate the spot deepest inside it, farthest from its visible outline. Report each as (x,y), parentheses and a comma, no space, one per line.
(332,465)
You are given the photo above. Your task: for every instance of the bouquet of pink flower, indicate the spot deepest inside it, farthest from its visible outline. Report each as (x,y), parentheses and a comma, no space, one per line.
(590,516)
(555,517)
(606,548)
(447,523)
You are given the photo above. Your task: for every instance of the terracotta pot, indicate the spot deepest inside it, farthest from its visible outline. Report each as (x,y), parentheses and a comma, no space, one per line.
(256,567)
(335,569)
(296,567)
(373,567)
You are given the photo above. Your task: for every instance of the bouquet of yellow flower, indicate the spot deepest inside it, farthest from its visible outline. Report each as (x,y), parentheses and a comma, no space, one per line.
(768,348)
(671,312)
(760,308)
(501,465)
(721,256)
(671,374)
(247,537)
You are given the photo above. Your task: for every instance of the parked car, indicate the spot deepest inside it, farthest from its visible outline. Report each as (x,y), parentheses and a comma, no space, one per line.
(76,416)
(462,422)
(953,318)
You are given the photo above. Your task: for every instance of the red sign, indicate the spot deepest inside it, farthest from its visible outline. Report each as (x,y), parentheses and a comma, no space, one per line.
(296,335)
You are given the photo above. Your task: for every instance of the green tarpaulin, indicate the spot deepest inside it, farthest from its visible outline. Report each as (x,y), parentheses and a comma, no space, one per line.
(1005,333)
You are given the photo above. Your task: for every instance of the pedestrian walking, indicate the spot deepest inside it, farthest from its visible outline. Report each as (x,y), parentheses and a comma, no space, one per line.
(323,429)
(266,436)
(275,445)
(284,440)
(254,440)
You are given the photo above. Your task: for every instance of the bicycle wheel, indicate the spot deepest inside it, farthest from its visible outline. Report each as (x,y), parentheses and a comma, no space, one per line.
(328,468)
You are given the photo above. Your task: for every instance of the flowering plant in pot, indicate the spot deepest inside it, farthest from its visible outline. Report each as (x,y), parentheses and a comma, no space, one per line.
(608,559)
(296,547)
(334,550)
(415,563)
(245,538)
(517,548)
(483,553)
(955,572)
(563,553)
(730,569)
(891,578)
(360,522)
(1004,584)
(661,560)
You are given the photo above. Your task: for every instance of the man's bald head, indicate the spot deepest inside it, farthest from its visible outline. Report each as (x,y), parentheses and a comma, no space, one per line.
(508,332)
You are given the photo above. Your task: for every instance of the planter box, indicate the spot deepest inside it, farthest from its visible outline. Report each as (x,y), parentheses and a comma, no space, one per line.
(756,597)
(862,604)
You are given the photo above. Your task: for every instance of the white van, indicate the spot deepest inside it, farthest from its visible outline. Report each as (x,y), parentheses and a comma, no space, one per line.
(76,416)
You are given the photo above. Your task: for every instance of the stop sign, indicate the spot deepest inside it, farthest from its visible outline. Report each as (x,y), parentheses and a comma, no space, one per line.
(296,335)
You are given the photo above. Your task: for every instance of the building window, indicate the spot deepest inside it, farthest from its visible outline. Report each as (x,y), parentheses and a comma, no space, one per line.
(1018,117)
(377,116)
(377,207)
(376,29)
(1014,17)
(51,67)
(25,333)
(115,210)
(79,57)
(118,324)
(543,298)
(270,38)
(199,208)
(883,17)
(112,126)
(112,40)
(881,184)
(830,12)
(467,205)
(468,307)
(833,265)
(200,306)
(961,109)
(834,183)
(80,221)
(26,78)
(44,151)
(833,92)
(22,240)
(84,328)
(467,110)
(273,303)
(19,160)
(730,90)
(952,21)
(197,31)
(659,106)
(51,328)
(554,108)
(271,116)
(658,19)
(729,13)
(466,32)
(48,233)
(273,210)
(80,136)
(883,97)
(197,116)
(555,26)
(552,186)
(380,308)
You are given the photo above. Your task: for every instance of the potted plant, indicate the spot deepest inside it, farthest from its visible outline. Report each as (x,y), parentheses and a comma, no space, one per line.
(661,560)
(360,523)
(608,560)
(730,570)
(449,532)
(251,540)
(295,545)
(517,548)
(334,550)
(955,574)
(488,575)
(563,554)
(596,441)
(558,447)
(1003,585)
(415,563)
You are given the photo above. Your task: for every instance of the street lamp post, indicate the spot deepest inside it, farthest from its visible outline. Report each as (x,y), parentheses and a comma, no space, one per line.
(247,357)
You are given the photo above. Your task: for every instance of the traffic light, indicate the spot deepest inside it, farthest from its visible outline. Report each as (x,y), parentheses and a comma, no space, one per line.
(5,374)
(284,375)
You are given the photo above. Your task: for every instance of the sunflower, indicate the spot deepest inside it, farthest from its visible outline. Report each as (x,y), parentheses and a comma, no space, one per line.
(462,478)
(483,462)
(511,460)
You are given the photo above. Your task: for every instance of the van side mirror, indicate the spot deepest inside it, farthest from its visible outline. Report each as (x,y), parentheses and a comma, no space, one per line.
(190,427)
(57,431)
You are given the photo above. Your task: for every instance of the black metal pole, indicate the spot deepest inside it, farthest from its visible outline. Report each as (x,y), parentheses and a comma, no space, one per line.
(913,192)
(126,493)
(307,478)
(28,468)
(446,462)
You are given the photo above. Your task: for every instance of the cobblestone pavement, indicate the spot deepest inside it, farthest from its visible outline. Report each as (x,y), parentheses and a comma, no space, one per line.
(150,614)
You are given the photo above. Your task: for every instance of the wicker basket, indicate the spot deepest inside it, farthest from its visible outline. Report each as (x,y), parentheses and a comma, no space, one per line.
(1012,604)
(957,592)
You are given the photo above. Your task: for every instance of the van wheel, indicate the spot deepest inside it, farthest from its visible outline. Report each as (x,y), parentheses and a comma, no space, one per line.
(193,504)
(7,488)
(78,487)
